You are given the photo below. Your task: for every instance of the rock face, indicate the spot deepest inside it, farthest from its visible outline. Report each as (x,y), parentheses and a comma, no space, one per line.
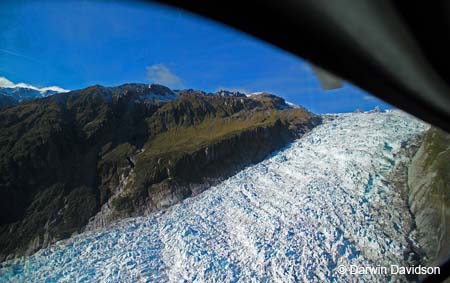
(429,197)
(83,159)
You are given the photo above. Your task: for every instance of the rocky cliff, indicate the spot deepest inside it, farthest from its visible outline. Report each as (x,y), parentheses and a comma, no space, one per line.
(82,159)
(429,197)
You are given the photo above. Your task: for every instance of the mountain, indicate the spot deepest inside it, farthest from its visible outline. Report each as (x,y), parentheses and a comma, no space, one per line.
(429,199)
(7,101)
(12,94)
(84,159)
(227,93)
(330,198)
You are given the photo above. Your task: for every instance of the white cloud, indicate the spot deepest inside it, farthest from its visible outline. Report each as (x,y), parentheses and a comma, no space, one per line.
(160,74)
(368,97)
(4,82)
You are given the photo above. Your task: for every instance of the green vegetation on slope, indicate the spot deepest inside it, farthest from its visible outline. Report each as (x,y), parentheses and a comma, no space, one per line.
(63,157)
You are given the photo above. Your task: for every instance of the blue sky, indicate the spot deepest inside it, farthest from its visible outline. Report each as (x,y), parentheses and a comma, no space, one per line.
(76,44)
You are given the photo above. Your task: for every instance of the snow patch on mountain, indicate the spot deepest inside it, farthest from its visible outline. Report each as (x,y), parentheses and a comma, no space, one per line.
(23,91)
(228,93)
(5,83)
(324,201)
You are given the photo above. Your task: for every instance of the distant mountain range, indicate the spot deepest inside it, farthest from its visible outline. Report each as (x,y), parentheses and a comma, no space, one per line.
(12,94)
(82,159)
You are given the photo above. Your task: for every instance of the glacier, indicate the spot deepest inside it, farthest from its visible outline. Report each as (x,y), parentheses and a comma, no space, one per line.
(325,200)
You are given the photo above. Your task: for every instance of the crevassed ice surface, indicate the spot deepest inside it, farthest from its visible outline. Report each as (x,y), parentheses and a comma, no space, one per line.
(322,202)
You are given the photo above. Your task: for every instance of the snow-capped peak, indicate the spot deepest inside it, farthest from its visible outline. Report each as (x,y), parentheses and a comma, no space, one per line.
(5,83)
(22,91)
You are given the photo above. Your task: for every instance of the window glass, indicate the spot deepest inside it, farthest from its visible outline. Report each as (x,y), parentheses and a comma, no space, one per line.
(142,143)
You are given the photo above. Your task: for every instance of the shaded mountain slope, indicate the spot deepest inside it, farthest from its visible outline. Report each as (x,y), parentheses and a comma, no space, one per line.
(99,154)
(6,101)
(429,183)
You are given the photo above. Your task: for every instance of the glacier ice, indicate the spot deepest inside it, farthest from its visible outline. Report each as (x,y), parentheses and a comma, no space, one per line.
(323,201)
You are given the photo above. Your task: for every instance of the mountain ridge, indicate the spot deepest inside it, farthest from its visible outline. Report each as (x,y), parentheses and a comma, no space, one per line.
(12,94)
(125,150)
